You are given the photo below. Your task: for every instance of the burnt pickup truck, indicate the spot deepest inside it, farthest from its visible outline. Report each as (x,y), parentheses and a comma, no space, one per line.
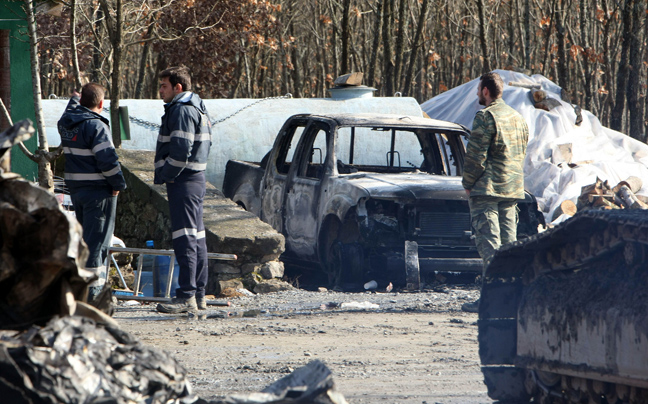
(367,196)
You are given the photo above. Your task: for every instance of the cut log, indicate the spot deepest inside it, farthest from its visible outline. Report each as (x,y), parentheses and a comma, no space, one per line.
(634,183)
(566,207)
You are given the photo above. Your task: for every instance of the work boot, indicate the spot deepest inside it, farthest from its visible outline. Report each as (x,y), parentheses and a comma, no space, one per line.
(179,305)
(471,307)
(202,303)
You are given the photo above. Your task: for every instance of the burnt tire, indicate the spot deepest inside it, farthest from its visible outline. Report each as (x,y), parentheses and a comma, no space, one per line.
(344,264)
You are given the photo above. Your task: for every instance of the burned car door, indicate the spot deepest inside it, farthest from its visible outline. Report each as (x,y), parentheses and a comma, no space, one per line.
(277,171)
(303,189)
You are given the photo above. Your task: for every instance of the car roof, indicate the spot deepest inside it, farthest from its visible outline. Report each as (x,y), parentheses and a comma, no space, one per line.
(391,120)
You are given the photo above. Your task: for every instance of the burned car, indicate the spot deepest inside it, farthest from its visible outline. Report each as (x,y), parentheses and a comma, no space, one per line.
(367,196)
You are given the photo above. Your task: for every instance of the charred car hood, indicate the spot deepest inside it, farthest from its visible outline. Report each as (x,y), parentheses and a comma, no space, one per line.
(408,186)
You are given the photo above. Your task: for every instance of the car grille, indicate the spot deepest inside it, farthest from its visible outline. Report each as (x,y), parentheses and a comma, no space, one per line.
(444,224)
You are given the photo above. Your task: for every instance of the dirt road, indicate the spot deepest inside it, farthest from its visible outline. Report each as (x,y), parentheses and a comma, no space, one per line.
(411,348)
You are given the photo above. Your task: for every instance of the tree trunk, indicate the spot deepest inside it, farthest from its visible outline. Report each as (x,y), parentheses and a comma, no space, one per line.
(334,45)
(511,34)
(407,88)
(400,43)
(607,74)
(482,37)
(116,78)
(346,33)
(73,46)
(527,35)
(545,63)
(587,73)
(144,59)
(388,69)
(563,80)
(296,73)
(635,105)
(371,73)
(96,52)
(616,119)
(42,155)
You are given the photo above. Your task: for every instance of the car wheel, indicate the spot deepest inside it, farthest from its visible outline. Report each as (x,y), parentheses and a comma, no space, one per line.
(344,264)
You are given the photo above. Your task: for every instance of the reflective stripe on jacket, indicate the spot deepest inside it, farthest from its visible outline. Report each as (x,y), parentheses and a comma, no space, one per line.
(184,139)
(90,158)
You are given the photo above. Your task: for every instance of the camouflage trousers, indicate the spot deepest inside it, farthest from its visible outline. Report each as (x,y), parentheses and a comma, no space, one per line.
(494,223)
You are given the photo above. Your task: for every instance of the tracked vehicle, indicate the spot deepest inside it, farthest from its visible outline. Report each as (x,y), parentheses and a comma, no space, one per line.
(563,315)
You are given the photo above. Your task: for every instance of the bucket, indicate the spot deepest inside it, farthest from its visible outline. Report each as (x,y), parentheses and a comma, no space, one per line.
(161,274)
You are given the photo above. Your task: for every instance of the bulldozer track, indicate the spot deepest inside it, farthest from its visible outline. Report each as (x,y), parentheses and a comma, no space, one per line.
(549,301)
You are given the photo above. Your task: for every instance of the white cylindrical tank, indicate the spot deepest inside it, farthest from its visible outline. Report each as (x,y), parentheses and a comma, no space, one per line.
(249,126)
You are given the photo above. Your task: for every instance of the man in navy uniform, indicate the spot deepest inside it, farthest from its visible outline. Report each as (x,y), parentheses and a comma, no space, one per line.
(180,162)
(93,176)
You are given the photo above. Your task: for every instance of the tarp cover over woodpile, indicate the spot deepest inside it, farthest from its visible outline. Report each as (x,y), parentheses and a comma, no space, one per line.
(568,147)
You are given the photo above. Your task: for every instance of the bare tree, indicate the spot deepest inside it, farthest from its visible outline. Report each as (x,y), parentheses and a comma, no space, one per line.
(42,156)
(616,120)
(483,35)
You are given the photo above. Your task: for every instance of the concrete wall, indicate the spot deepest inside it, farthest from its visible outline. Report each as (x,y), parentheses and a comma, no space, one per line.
(247,135)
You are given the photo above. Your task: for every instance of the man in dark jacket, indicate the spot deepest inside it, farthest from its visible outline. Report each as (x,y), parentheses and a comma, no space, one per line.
(93,176)
(493,171)
(180,162)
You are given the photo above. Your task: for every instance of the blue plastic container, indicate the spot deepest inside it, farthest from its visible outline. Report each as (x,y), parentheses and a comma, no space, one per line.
(161,274)
(146,284)
(148,268)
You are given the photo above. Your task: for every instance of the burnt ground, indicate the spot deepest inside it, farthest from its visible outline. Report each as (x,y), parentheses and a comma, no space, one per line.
(406,348)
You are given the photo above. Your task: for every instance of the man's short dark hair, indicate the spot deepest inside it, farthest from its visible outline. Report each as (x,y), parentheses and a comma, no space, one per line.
(493,82)
(179,74)
(91,95)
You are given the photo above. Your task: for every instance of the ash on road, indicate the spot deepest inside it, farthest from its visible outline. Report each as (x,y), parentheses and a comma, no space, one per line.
(381,347)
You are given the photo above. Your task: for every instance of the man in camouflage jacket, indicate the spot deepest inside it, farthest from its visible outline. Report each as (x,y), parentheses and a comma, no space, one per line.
(493,169)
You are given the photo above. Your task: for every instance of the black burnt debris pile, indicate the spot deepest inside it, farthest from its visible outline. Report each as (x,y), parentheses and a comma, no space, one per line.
(72,360)
(40,250)
(52,350)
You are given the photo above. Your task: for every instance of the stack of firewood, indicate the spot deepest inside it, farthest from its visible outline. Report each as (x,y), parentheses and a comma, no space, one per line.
(600,195)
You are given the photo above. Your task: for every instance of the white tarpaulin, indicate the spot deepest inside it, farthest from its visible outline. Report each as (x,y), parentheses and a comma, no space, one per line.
(596,151)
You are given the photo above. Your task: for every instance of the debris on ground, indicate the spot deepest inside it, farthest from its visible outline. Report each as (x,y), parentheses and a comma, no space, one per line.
(312,383)
(72,360)
(359,305)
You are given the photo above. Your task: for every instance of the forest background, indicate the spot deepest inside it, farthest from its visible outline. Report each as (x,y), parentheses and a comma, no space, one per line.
(594,49)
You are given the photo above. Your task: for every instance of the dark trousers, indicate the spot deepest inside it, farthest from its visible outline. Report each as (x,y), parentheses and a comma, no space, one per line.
(95,210)
(186,194)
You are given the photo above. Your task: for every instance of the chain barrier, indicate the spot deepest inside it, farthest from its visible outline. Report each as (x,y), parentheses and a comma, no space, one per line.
(214,122)
(156,126)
